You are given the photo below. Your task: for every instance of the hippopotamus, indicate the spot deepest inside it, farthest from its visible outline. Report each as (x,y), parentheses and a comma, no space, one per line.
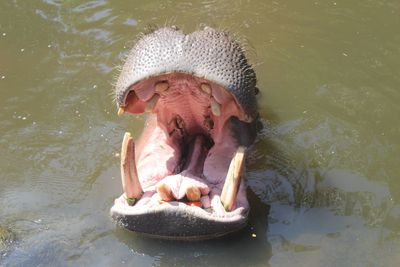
(182,177)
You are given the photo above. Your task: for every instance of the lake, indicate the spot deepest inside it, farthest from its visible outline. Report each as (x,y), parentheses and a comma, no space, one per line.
(323,172)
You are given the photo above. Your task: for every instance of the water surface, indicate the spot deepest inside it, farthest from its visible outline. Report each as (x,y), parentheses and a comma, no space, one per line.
(324,170)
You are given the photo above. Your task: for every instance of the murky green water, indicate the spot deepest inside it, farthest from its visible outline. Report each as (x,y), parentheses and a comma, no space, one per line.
(325,168)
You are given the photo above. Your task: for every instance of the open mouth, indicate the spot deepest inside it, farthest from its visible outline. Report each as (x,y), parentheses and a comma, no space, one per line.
(187,159)
(182,176)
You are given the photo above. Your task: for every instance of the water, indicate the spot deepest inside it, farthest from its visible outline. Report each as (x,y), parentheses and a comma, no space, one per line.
(324,170)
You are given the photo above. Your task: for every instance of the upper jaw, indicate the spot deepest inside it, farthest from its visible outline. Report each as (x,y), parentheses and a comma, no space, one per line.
(142,93)
(206,53)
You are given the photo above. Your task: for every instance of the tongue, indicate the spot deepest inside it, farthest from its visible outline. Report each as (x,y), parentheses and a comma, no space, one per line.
(196,155)
(188,183)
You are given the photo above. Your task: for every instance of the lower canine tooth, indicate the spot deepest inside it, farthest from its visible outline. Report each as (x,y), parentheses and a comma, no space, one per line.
(130,180)
(193,193)
(161,87)
(152,103)
(233,177)
(215,107)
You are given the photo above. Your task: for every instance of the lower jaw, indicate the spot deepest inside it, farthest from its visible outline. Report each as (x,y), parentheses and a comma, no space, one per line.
(177,221)
(179,218)
(205,178)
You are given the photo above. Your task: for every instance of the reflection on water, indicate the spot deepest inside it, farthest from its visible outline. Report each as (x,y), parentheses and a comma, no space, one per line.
(324,170)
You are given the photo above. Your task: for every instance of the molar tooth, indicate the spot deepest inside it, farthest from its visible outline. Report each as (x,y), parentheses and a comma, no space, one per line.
(206,88)
(246,118)
(121,111)
(215,107)
(161,87)
(165,192)
(130,180)
(193,193)
(233,177)
(152,103)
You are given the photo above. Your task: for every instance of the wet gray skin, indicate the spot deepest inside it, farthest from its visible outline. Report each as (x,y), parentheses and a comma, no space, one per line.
(206,56)
(207,53)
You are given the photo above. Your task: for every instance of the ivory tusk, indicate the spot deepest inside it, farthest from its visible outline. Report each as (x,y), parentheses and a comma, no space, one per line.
(121,111)
(233,177)
(130,180)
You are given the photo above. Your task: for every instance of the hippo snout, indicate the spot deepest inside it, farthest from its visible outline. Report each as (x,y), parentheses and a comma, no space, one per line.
(182,178)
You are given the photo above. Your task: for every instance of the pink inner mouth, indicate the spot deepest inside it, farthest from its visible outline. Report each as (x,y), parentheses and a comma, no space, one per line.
(187,144)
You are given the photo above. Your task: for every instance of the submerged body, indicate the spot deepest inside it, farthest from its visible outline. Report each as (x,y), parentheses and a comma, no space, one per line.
(181,178)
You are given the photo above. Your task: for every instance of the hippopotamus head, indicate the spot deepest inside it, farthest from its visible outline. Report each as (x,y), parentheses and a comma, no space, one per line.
(181,177)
